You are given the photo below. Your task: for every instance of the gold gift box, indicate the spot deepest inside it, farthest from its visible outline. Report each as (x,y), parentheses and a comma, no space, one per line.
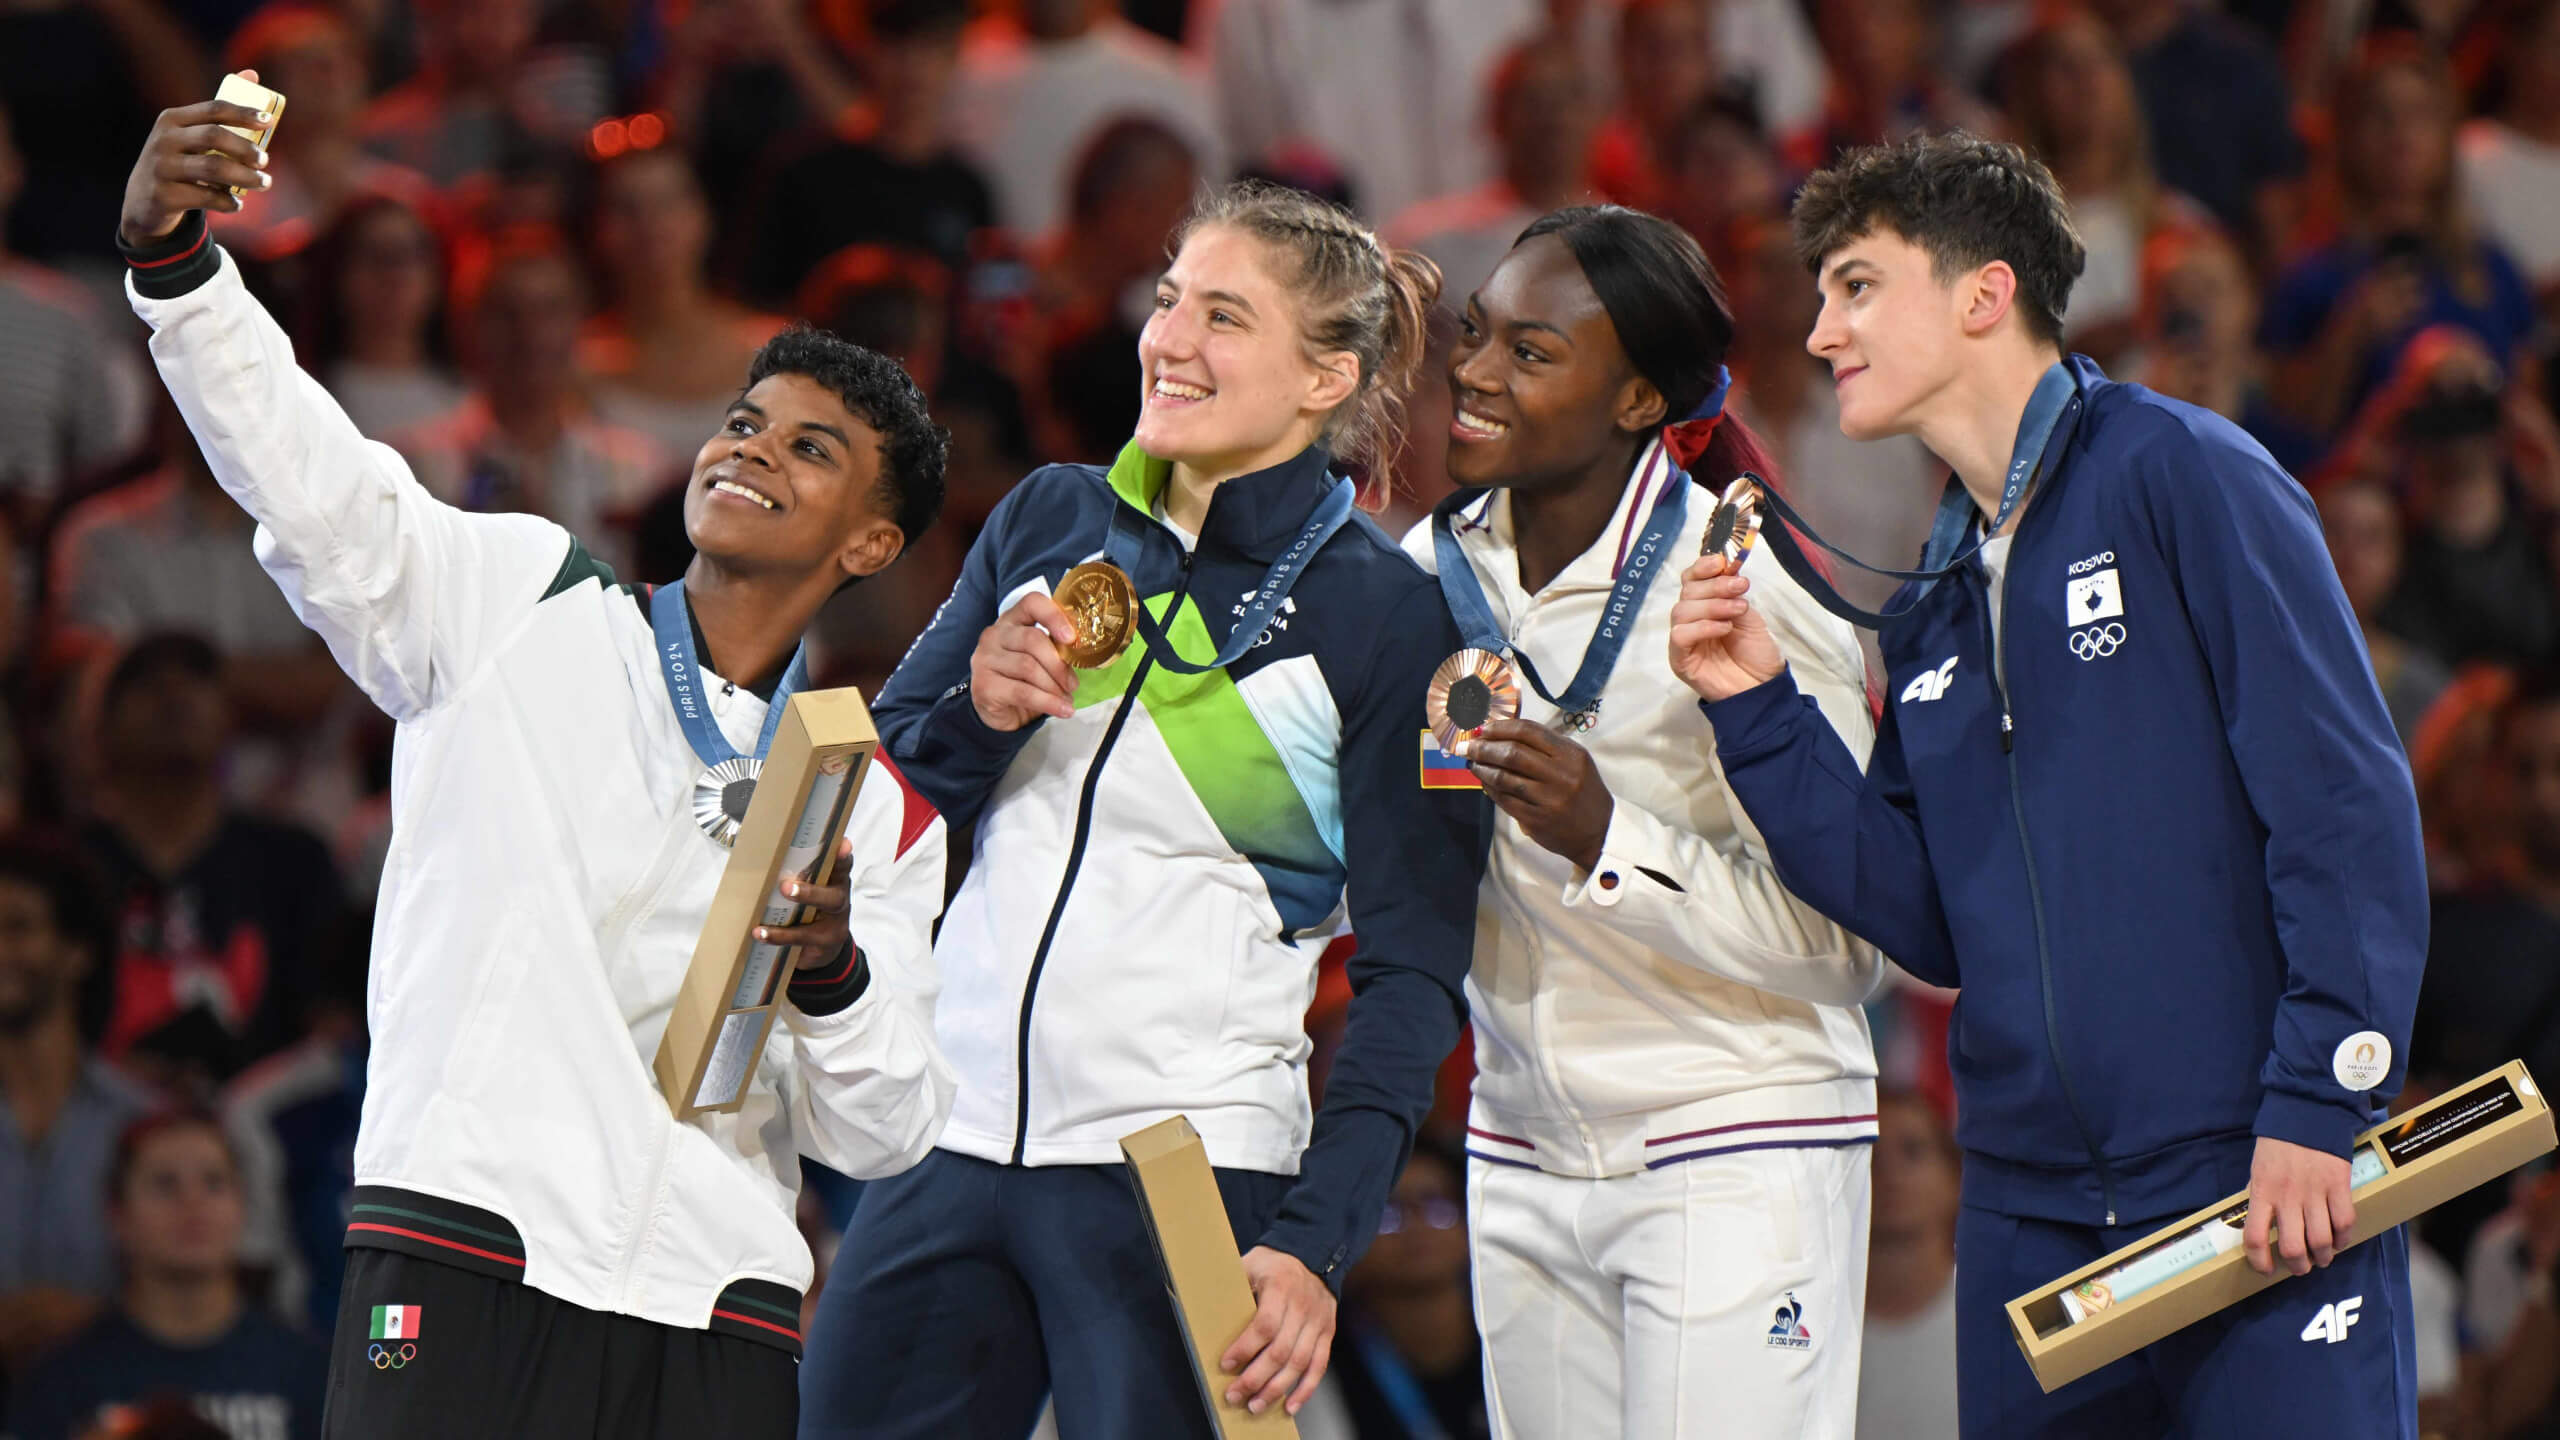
(2462,1138)
(794,827)
(1202,1266)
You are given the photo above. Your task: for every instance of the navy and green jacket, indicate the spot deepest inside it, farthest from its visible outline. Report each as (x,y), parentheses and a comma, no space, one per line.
(1153,881)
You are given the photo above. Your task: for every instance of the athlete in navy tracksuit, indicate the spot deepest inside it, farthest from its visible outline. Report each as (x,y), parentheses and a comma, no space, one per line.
(2161,835)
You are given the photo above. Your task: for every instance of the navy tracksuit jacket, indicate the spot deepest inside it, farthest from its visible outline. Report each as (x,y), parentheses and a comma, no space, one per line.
(2166,844)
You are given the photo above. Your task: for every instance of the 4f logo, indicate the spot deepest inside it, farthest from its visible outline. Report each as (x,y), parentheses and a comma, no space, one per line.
(2334,1321)
(1930,684)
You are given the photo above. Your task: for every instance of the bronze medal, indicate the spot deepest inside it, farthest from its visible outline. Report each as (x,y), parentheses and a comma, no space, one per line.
(1470,688)
(1098,597)
(1735,524)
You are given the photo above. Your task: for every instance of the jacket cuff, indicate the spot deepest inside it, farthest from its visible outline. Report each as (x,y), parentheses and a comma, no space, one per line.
(1752,719)
(956,721)
(2324,1125)
(1631,854)
(826,989)
(168,268)
(1328,1262)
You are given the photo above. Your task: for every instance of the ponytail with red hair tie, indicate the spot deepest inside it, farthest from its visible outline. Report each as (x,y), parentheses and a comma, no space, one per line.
(1686,438)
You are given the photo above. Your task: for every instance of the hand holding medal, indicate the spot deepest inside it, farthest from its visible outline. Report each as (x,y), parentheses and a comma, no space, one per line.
(1720,647)
(1736,523)
(1097,595)
(1021,670)
(1548,783)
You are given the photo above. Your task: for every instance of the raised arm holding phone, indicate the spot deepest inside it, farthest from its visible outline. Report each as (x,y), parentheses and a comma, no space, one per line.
(537,1247)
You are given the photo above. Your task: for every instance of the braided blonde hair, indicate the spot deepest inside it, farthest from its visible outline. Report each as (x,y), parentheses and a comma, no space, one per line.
(1358,295)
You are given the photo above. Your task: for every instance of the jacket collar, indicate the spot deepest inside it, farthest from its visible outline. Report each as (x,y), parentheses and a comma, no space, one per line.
(1484,528)
(1256,515)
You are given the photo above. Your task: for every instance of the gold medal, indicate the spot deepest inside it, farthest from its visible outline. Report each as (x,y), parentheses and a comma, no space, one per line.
(1470,688)
(1098,597)
(1735,524)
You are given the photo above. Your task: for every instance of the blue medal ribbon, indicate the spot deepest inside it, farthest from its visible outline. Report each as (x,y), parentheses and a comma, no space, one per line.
(1464,594)
(2044,431)
(671,620)
(1128,541)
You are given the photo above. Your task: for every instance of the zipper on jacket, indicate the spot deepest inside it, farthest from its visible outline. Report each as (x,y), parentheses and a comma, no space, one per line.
(1075,861)
(2035,895)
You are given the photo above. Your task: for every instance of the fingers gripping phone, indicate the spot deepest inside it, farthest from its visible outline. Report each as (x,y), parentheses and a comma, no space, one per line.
(252,95)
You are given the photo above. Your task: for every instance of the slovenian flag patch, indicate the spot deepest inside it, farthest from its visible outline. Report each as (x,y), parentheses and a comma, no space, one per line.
(1444,771)
(396,1322)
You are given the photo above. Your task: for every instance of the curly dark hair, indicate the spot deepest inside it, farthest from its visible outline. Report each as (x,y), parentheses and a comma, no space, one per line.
(877,390)
(1965,200)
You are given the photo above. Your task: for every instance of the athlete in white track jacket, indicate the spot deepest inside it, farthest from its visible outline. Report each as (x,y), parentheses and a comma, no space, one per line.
(546,880)
(1678,998)
(1674,1088)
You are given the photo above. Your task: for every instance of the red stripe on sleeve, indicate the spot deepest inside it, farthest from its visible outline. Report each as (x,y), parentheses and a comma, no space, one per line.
(920,813)
(201,237)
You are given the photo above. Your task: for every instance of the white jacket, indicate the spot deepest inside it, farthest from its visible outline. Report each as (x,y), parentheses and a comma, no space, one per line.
(546,882)
(1677,999)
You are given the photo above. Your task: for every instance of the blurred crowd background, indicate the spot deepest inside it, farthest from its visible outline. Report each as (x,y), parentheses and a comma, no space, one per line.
(531,244)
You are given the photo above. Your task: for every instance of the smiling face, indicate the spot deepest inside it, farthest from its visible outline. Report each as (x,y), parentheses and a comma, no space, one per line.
(1891,331)
(1229,385)
(1544,390)
(791,485)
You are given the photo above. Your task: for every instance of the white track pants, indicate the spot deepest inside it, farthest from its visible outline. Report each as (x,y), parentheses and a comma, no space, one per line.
(1723,1296)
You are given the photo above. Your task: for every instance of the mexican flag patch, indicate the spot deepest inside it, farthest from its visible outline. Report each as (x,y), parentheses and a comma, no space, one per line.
(396,1322)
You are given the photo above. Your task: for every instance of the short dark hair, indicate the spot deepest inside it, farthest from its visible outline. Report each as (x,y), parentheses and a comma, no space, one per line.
(69,886)
(1966,201)
(163,650)
(878,392)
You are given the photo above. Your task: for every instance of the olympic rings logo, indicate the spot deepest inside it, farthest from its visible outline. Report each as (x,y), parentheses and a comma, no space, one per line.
(2097,640)
(386,1358)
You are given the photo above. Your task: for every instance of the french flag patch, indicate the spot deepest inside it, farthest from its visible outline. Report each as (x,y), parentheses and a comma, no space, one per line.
(1444,771)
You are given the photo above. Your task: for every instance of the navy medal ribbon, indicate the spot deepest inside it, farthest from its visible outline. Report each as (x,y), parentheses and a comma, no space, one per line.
(1128,537)
(720,796)
(2044,432)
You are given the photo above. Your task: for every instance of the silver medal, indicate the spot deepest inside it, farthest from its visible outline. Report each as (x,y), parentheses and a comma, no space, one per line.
(720,797)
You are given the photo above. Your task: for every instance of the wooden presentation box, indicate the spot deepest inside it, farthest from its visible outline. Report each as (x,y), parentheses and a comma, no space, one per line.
(793,828)
(1202,1266)
(2462,1138)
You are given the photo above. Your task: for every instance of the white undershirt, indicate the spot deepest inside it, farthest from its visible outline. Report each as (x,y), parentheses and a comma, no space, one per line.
(1995,564)
(1190,540)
